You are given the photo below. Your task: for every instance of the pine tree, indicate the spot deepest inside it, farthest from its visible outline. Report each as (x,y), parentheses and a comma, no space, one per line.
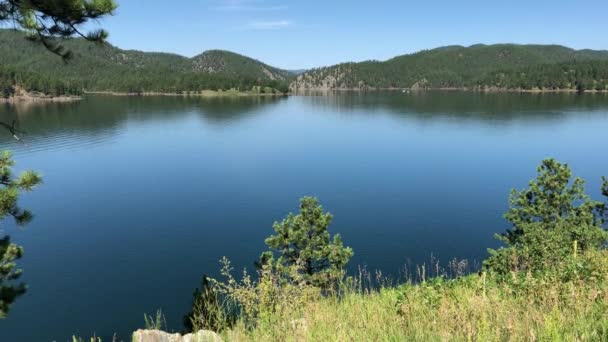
(547,219)
(604,209)
(10,188)
(207,311)
(47,20)
(303,241)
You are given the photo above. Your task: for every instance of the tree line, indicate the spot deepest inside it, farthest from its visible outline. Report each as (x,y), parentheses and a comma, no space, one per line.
(504,66)
(11,81)
(582,76)
(107,68)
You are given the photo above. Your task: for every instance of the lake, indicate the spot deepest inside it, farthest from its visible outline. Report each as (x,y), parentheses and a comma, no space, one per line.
(143,195)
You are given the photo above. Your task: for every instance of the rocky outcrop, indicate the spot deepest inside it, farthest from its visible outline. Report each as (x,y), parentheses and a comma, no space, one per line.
(161,336)
(18,94)
(326,79)
(420,85)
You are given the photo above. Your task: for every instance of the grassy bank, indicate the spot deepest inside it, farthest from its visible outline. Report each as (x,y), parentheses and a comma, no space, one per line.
(478,307)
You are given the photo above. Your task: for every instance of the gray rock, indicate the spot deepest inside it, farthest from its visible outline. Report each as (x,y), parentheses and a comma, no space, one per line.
(161,336)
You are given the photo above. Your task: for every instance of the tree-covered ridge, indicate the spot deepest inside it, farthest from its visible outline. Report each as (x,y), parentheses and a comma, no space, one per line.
(230,63)
(477,66)
(107,68)
(12,82)
(580,75)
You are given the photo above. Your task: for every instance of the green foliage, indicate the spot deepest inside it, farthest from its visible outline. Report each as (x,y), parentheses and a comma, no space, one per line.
(476,307)
(582,75)
(32,81)
(9,291)
(155,322)
(476,67)
(235,66)
(551,221)
(309,261)
(47,20)
(304,240)
(604,209)
(209,310)
(107,68)
(268,298)
(10,189)
(555,239)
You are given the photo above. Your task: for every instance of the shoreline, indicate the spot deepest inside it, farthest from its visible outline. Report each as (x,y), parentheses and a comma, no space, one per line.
(204,93)
(31,99)
(306,92)
(302,92)
(468,90)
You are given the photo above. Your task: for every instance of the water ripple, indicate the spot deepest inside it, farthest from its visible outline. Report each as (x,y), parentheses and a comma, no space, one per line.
(62,140)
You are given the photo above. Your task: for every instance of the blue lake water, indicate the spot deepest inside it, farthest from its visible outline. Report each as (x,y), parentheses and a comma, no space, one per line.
(142,196)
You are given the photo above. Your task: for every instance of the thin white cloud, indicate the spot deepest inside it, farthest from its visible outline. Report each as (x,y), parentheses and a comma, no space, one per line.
(269,25)
(248,5)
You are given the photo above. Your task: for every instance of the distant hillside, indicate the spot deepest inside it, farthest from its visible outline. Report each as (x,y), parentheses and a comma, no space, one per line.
(107,68)
(231,64)
(477,66)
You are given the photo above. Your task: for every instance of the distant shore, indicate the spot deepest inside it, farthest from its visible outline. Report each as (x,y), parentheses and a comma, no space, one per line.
(204,93)
(39,98)
(464,89)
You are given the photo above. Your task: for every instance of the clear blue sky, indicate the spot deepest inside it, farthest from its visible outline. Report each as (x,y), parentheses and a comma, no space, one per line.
(305,34)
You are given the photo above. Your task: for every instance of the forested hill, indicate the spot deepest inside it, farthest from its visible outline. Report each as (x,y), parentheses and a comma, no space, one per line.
(479,66)
(107,68)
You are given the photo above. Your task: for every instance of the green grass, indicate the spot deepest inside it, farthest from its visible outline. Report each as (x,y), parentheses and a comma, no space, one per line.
(469,308)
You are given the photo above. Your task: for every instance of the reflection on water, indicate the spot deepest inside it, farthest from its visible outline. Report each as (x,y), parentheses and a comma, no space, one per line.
(98,119)
(461,105)
(143,195)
